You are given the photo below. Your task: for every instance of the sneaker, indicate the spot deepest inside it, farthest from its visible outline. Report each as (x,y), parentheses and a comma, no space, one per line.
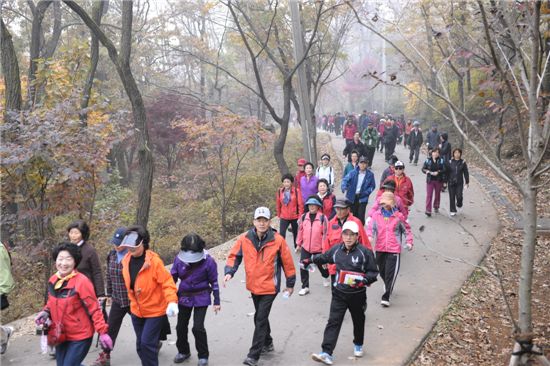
(453,213)
(326,282)
(203,362)
(303,291)
(357,350)
(4,345)
(322,357)
(250,361)
(436,210)
(51,351)
(180,357)
(268,348)
(104,359)
(385,303)
(429,214)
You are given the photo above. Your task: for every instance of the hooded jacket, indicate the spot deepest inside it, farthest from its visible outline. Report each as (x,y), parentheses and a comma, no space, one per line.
(311,234)
(263,260)
(389,233)
(445,152)
(398,204)
(351,146)
(457,172)
(349,185)
(328,204)
(403,188)
(435,166)
(154,287)
(349,130)
(75,306)
(198,281)
(370,136)
(295,206)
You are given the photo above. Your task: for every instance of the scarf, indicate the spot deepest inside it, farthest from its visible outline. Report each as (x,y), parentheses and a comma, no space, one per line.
(286,198)
(387,213)
(61,280)
(120,255)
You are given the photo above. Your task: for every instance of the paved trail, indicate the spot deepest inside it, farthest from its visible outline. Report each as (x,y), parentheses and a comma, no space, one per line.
(429,277)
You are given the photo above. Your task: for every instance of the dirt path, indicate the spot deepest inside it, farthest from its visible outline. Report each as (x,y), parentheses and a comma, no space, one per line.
(444,255)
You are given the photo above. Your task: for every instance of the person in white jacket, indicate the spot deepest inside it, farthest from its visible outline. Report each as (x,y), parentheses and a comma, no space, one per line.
(326,171)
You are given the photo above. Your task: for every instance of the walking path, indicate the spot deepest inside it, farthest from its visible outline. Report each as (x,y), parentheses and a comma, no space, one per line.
(444,255)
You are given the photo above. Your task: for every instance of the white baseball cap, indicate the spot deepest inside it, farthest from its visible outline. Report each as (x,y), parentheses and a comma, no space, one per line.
(350,225)
(262,212)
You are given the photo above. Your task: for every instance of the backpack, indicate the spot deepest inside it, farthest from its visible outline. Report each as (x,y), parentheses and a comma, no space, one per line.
(322,217)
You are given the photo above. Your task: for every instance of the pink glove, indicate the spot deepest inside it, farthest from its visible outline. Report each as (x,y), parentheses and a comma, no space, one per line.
(42,317)
(106,342)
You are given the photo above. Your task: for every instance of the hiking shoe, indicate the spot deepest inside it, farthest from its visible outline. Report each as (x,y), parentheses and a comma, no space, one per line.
(357,350)
(436,210)
(203,362)
(180,357)
(453,213)
(104,359)
(429,214)
(326,282)
(51,351)
(303,291)
(322,357)
(250,361)
(4,345)
(385,303)
(268,348)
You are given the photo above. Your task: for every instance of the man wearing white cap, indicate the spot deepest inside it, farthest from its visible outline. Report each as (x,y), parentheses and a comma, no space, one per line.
(264,252)
(355,269)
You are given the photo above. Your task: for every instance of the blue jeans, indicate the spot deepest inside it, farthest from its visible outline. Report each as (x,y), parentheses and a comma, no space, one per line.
(147,338)
(72,353)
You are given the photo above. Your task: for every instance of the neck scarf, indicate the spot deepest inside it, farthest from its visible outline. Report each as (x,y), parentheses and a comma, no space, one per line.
(286,198)
(387,213)
(61,280)
(120,255)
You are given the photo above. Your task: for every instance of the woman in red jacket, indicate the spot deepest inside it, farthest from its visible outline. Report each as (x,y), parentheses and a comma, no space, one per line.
(327,198)
(72,311)
(289,206)
(312,233)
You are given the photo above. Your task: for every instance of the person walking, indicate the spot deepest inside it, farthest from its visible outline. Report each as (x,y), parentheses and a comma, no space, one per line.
(350,129)
(390,170)
(403,186)
(327,198)
(391,134)
(6,286)
(408,129)
(300,173)
(151,291)
(445,147)
(265,253)
(458,178)
(415,143)
(79,233)
(370,138)
(289,206)
(72,312)
(355,270)
(312,233)
(198,275)
(434,168)
(432,139)
(388,186)
(308,183)
(116,291)
(352,164)
(388,231)
(357,186)
(326,171)
(354,144)
(381,127)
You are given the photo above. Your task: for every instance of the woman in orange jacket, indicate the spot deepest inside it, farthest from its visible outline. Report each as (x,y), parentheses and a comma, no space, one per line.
(289,206)
(151,290)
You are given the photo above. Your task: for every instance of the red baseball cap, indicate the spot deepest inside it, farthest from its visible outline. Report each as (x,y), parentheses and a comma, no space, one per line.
(302,161)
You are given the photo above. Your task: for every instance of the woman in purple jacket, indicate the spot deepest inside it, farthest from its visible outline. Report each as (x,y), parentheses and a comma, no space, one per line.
(198,276)
(308,183)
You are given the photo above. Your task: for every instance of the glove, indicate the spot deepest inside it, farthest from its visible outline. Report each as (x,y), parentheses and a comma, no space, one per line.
(42,317)
(106,342)
(409,247)
(172,309)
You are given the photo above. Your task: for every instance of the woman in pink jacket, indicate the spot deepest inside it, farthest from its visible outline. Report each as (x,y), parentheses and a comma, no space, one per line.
(311,234)
(387,229)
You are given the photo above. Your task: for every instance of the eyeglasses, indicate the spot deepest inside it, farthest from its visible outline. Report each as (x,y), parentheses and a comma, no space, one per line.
(399,168)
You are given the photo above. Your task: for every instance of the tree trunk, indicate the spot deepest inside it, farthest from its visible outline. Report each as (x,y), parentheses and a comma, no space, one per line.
(122,164)
(97,12)
(279,149)
(36,42)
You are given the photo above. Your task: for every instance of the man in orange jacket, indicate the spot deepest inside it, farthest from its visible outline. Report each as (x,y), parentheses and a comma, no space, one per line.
(264,252)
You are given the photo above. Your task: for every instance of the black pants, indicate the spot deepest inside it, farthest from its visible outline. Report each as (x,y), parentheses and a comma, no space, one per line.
(359,209)
(415,152)
(390,149)
(116,316)
(380,144)
(283,227)
(304,273)
(199,332)
(262,330)
(370,154)
(356,303)
(455,196)
(388,266)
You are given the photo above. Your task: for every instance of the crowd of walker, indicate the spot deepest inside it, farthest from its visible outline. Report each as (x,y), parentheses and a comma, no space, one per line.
(349,246)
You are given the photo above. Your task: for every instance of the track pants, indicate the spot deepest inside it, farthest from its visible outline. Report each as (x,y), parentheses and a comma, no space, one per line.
(262,329)
(455,196)
(304,273)
(283,227)
(388,267)
(201,340)
(356,303)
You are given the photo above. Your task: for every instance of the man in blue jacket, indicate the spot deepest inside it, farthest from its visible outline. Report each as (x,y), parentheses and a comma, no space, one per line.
(357,186)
